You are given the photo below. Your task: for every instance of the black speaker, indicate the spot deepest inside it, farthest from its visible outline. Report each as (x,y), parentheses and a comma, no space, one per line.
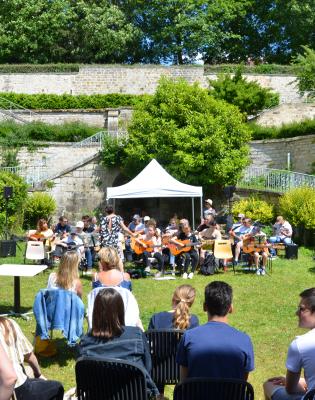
(228,191)
(291,251)
(7,192)
(7,248)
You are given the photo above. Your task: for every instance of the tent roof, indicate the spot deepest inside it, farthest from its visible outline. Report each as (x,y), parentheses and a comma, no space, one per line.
(153,181)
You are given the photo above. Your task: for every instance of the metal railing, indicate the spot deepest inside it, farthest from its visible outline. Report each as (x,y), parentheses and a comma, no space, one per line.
(16,111)
(31,174)
(274,180)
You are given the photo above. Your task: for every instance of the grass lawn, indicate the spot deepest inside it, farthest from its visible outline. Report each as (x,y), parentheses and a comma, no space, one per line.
(264,307)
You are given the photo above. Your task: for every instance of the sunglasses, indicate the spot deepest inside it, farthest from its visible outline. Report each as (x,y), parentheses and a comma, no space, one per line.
(302,309)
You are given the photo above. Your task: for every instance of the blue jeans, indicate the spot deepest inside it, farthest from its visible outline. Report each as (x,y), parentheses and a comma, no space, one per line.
(277,239)
(88,256)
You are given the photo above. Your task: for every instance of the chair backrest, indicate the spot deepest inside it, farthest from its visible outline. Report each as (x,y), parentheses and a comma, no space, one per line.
(109,379)
(163,347)
(132,314)
(310,395)
(222,249)
(35,251)
(59,309)
(213,389)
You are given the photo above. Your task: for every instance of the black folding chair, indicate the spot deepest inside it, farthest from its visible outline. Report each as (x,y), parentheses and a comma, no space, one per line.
(310,395)
(163,347)
(213,389)
(109,379)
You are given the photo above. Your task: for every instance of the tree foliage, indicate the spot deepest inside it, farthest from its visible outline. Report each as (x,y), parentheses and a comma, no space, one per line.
(306,72)
(254,208)
(198,139)
(38,205)
(249,97)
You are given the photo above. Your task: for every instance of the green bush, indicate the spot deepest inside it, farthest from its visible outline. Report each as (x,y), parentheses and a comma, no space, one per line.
(37,68)
(249,97)
(306,73)
(255,69)
(38,205)
(15,135)
(112,151)
(44,101)
(303,128)
(15,204)
(298,207)
(255,209)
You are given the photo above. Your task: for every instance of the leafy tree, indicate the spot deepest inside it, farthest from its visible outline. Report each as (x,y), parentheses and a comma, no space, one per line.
(198,139)
(306,73)
(15,204)
(249,97)
(254,208)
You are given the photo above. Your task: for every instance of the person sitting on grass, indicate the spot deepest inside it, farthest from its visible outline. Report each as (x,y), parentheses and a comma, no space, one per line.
(110,338)
(19,349)
(179,317)
(301,355)
(67,276)
(111,271)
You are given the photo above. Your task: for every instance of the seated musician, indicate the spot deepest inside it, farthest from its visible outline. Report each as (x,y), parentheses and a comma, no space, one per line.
(152,238)
(188,255)
(282,231)
(62,229)
(256,245)
(205,222)
(210,233)
(42,231)
(239,234)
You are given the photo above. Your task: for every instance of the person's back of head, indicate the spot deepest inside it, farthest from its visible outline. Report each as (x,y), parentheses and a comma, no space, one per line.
(183,299)
(108,314)
(109,259)
(68,270)
(218,298)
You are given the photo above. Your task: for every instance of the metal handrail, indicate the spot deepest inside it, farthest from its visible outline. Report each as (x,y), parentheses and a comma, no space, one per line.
(7,107)
(274,180)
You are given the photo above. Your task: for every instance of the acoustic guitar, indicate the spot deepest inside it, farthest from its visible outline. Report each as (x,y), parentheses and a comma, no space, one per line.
(138,248)
(176,249)
(253,244)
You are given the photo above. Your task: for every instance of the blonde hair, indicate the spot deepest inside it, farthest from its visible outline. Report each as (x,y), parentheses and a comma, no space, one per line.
(109,259)
(68,270)
(183,299)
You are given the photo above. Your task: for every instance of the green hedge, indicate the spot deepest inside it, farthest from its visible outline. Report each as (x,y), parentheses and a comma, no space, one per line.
(67,101)
(14,135)
(303,128)
(37,68)
(255,69)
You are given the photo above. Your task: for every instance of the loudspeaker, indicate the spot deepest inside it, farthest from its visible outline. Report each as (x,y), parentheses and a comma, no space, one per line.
(7,192)
(7,248)
(291,251)
(228,191)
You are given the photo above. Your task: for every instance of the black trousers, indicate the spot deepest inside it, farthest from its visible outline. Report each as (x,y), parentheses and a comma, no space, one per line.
(159,258)
(184,259)
(39,389)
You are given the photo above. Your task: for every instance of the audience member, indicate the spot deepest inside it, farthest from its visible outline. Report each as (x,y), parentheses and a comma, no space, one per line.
(301,355)
(62,229)
(8,376)
(110,338)
(216,350)
(179,317)
(111,271)
(67,276)
(19,349)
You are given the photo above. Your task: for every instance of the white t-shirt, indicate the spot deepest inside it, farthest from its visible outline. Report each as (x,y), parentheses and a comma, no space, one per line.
(301,354)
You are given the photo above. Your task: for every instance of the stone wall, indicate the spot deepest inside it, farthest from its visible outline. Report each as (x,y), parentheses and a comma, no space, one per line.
(286,113)
(128,79)
(273,153)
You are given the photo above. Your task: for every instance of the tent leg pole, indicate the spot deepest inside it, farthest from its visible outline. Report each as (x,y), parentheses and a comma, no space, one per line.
(193,212)
(201,213)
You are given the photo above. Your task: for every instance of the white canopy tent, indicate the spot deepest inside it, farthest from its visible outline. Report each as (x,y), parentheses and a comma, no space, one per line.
(154,181)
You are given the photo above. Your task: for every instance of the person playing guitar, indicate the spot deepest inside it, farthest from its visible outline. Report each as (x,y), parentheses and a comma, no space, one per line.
(189,254)
(239,234)
(151,245)
(256,244)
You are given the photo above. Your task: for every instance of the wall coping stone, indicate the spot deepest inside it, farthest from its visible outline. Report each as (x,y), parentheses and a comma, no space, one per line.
(292,139)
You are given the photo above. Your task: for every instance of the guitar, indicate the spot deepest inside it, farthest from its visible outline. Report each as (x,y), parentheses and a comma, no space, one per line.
(253,244)
(138,248)
(176,249)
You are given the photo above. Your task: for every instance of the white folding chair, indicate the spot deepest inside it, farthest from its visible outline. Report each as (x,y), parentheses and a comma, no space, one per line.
(34,251)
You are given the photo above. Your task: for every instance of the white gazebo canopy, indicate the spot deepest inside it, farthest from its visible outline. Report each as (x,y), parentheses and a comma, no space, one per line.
(154,181)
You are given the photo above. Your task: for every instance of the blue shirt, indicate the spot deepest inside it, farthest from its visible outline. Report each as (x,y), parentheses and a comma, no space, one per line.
(164,320)
(216,350)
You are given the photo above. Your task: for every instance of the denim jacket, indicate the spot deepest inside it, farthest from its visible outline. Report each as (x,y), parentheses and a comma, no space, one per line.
(131,345)
(59,309)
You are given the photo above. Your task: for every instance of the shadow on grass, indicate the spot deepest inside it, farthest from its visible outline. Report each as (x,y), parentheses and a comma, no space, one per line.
(312,270)
(64,353)
(8,309)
